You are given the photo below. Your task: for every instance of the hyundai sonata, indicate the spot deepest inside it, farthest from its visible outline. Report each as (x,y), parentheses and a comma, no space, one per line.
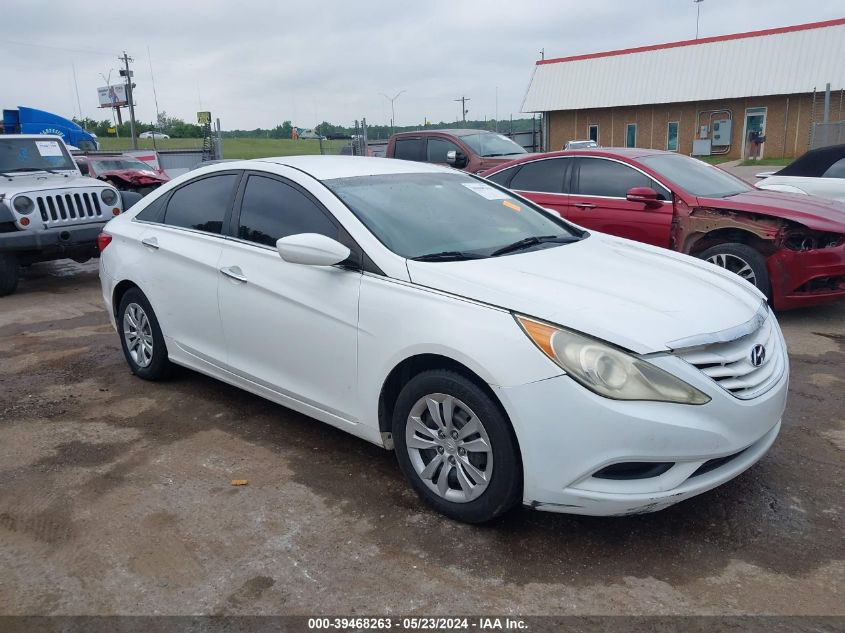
(505,354)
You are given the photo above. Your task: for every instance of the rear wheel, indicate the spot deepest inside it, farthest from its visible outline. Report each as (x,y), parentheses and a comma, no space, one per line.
(9,274)
(741,260)
(456,447)
(141,337)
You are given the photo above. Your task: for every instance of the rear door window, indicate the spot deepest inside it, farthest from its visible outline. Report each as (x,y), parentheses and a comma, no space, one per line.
(202,204)
(409,149)
(542,175)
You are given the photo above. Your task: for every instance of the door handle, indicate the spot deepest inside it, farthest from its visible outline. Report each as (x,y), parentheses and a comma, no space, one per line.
(585,205)
(234,272)
(151,242)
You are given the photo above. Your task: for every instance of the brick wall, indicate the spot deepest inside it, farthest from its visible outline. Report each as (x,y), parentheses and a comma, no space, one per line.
(788,119)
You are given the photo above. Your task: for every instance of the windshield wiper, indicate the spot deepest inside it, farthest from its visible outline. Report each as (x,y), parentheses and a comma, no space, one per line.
(23,169)
(533,241)
(447,256)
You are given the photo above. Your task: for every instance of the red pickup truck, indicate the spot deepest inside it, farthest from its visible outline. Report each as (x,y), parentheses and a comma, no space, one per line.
(792,247)
(470,150)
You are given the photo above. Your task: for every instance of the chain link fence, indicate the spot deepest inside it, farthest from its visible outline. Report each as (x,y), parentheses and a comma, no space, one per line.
(826,134)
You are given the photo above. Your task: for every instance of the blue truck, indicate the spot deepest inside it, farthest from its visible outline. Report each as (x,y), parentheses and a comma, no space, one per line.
(32,121)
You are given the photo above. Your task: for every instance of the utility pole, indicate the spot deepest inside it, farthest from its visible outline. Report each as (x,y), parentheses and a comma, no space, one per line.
(697,15)
(464,110)
(128,74)
(543,52)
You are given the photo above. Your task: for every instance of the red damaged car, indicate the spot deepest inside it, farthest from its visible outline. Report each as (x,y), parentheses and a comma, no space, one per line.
(791,246)
(124,172)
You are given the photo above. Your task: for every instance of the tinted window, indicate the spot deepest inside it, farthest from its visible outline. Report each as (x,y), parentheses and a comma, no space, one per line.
(272,209)
(836,170)
(153,211)
(202,204)
(437,148)
(541,175)
(83,167)
(597,177)
(503,176)
(409,149)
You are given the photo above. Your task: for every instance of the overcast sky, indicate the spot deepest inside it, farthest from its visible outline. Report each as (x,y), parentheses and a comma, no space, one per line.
(255,63)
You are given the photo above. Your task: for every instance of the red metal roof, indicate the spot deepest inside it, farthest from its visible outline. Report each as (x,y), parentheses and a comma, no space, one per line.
(703,40)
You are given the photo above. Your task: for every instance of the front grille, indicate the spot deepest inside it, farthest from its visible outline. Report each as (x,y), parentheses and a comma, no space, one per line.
(730,364)
(69,208)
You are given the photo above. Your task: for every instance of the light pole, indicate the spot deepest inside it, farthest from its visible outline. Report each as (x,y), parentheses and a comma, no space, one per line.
(392,110)
(697,15)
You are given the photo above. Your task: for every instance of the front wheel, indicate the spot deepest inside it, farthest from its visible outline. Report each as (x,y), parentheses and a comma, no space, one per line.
(741,260)
(141,337)
(9,274)
(456,447)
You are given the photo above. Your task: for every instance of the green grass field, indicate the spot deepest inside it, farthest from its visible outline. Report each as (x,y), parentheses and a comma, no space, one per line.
(232,147)
(763,162)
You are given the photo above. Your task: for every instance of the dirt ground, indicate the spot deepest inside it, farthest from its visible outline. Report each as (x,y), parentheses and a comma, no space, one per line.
(115,497)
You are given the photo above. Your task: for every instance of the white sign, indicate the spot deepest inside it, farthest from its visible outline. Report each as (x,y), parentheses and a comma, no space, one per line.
(486,191)
(112,96)
(49,148)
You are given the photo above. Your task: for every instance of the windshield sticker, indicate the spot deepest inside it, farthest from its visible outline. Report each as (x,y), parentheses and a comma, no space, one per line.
(511,205)
(48,148)
(486,191)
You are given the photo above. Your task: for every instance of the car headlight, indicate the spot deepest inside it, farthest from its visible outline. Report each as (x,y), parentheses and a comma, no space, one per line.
(109,196)
(24,205)
(607,370)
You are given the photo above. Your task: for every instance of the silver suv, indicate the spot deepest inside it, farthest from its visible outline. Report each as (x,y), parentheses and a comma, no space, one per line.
(48,209)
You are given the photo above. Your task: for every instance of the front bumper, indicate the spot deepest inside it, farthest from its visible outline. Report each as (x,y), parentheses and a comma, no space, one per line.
(567,433)
(58,239)
(796,277)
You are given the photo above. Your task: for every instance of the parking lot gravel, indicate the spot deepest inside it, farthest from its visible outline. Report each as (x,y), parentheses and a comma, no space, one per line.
(116,497)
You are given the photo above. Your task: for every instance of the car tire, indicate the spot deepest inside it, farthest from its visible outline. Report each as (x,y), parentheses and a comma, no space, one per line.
(9,274)
(141,337)
(471,470)
(742,260)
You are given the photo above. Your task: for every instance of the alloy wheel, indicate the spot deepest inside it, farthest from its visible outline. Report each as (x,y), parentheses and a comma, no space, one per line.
(735,264)
(449,448)
(138,335)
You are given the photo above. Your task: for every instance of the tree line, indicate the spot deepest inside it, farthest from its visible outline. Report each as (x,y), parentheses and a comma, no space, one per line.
(177,128)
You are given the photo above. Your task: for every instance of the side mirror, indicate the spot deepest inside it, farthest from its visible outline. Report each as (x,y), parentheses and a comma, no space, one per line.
(646,195)
(311,249)
(456,158)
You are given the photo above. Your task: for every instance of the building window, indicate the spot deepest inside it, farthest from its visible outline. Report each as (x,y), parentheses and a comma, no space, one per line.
(631,135)
(594,132)
(672,136)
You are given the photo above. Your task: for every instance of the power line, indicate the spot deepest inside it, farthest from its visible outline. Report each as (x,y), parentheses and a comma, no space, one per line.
(464,110)
(90,51)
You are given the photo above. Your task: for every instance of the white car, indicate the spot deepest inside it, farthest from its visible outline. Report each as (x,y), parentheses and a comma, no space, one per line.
(587,144)
(505,355)
(819,172)
(156,135)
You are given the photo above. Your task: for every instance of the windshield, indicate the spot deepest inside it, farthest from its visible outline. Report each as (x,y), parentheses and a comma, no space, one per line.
(120,163)
(31,154)
(489,144)
(415,215)
(696,176)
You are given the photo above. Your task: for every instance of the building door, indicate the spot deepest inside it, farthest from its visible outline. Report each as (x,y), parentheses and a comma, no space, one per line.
(754,137)
(594,132)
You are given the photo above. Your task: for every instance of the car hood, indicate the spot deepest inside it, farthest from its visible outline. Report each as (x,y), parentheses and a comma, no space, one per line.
(44,181)
(819,214)
(633,295)
(134,174)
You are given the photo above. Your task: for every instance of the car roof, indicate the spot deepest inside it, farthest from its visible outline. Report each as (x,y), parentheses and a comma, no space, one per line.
(813,163)
(604,152)
(38,137)
(328,167)
(453,132)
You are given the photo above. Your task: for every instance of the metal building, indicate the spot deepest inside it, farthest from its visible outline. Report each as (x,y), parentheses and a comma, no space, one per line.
(741,95)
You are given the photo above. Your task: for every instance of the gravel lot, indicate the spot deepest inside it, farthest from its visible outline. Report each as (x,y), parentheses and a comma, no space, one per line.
(115,497)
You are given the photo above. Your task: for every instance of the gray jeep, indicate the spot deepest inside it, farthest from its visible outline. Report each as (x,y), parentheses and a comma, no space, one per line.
(48,209)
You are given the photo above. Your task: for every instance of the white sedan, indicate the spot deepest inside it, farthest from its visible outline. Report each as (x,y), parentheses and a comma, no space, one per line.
(505,355)
(819,172)
(153,135)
